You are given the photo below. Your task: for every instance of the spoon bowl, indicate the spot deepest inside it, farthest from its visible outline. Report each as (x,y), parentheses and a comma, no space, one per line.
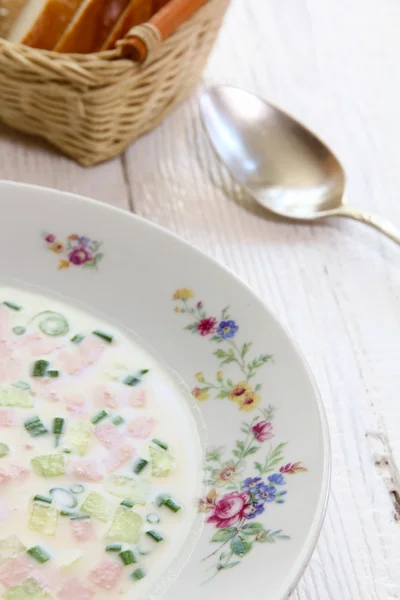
(284,166)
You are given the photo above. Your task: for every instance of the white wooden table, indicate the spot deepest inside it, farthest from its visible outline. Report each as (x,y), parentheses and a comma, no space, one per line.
(336,66)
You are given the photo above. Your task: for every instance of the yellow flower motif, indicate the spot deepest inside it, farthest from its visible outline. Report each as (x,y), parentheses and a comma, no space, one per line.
(251,400)
(239,391)
(57,247)
(220,376)
(200,377)
(200,394)
(64,264)
(177,309)
(183,294)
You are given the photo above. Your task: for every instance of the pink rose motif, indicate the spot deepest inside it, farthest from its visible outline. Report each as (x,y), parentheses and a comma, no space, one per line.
(79,256)
(263,431)
(207,326)
(50,239)
(230,509)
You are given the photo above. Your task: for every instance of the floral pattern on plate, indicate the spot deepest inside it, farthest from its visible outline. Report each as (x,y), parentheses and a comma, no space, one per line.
(76,250)
(240,491)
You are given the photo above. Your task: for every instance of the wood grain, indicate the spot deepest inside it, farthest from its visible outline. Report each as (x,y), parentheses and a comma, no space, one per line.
(336,285)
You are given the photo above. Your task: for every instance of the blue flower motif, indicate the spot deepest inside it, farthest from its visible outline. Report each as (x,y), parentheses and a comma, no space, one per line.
(277,478)
(227,329)
(257,509)
(250,484)
(83,240)
(268,494)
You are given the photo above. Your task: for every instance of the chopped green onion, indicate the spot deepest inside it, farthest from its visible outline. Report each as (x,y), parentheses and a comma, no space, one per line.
(12,305)
(113,548)
(172,505)
(40,368)
(39,554)
(22,385)
(77,489)
(67,451)
(128,503)
(127,557)
(4,449)
(64,497)
(19,330)
(152,518)
(52,323)
(157,537)
(144,371)
(66,513)
(104,336)
(35,427)
(118,420)
(131,380)
(58,425)
(53,373)
(39,498)
(140,465)
(99,417)
(80,517)
(138,574)
(161,499)
(162,445)
(77,339)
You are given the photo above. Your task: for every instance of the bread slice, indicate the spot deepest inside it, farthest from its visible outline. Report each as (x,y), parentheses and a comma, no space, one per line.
(137,12)
(42,22)
(91,26)
(9,11)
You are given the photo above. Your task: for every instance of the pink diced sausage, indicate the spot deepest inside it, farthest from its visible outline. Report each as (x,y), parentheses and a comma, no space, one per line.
(73,590)
(15,570)
(19,474)
(119,456)
(7,417)
(82,530)
(104,398)
(83,356)
(108,435)
(6,350)
(38,345)
(76,405)
(87,469)
(10,369)
(106,575)
(5,320)
(141,427)
(137,398)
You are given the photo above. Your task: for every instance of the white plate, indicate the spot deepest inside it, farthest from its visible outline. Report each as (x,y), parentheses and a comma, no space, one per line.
(254,389)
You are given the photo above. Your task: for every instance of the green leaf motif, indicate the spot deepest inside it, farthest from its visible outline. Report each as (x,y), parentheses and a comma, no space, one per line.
(225,534)
(253,528)
(231,564)
(240,547)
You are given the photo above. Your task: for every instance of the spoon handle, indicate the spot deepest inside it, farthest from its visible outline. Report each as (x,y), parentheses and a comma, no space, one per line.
(383,225)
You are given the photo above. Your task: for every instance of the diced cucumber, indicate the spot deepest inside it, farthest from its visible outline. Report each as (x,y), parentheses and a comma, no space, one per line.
(128,488)
(96,506)
(9,548)
(49,465)
(78,436)
(125,527)
(43,518)
(27,590)
(161,462)
(4,449)
(12,396)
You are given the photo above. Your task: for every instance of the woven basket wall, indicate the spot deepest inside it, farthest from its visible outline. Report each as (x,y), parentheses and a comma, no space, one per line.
(93,106)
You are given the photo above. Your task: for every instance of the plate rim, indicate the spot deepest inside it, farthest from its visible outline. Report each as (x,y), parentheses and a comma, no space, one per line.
(309,545)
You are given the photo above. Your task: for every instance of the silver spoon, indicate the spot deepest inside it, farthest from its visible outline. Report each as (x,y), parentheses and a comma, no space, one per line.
(278,161)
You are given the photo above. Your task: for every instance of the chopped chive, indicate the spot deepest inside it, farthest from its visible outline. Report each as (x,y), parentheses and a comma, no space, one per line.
(77,489)
(138,574)
(131,380)
(162,445)
(99,417)
(58,425)
(12,305)
(57,440)
(67,451)
(113,548)
(40,368)
(157,537)
(172,505)
(66,513)
(152,518)
(77,339)
(160,500)
(104,336)
(39,554)
(128,503)
(118,420)
(18,330)
(53,373)
(140,465)
(39,498)
(22,385)
(35,427)
(127,557)
(144,371)
(80,517)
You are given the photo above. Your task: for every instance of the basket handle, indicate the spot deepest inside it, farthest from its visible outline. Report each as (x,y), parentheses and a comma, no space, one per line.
(140,41)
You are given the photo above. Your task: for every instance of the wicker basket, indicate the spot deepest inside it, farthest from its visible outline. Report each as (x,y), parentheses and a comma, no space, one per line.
(92,106)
